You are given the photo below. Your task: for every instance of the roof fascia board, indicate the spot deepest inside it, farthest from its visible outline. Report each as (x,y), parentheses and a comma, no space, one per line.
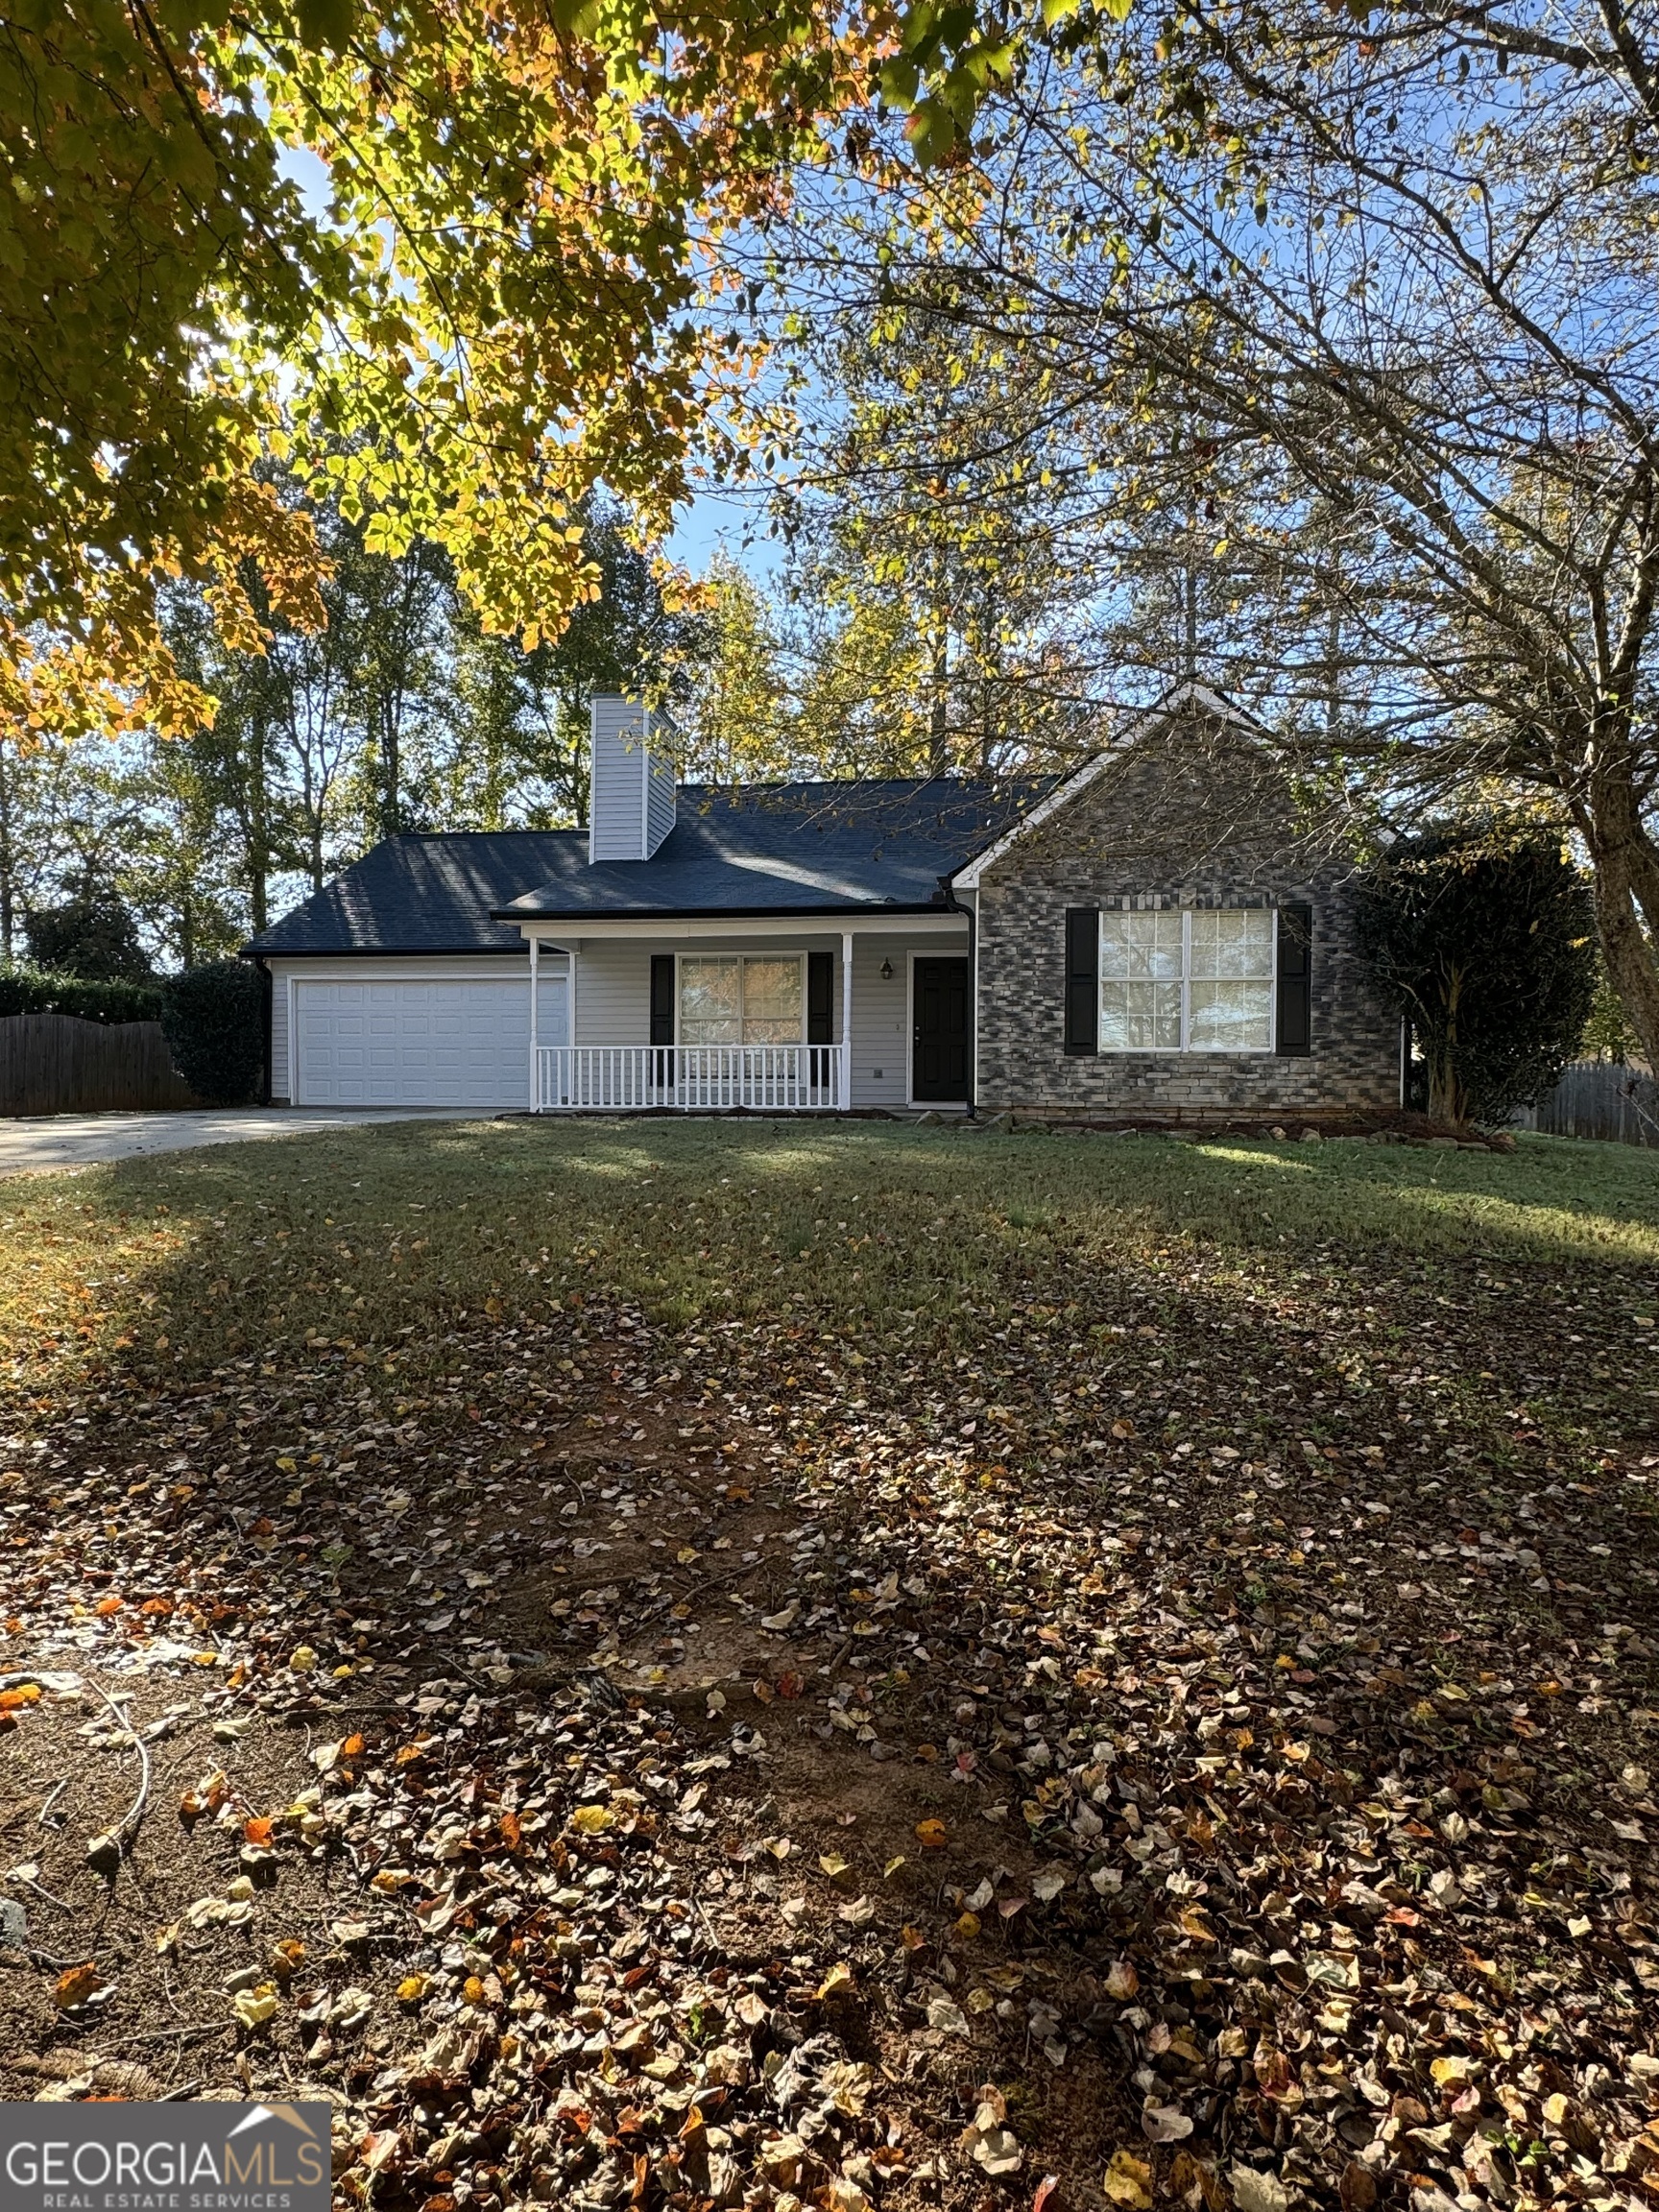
(380,951)
(969,876)
(891,921)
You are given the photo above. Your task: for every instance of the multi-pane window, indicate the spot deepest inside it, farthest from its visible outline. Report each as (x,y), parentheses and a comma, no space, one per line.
(1198,981)
(731,1000)
(1142,964)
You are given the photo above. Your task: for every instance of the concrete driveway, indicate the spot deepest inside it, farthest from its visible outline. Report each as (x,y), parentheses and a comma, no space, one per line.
(82,1139)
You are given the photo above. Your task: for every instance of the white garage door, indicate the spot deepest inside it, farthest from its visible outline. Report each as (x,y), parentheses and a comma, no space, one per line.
(394,1043)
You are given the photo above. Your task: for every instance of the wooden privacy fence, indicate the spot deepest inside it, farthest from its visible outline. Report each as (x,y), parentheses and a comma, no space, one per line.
(1600,1098)
(57,1063)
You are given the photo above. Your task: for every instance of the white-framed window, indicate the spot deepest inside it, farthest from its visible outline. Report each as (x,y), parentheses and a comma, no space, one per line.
(742,998)
(1197,980)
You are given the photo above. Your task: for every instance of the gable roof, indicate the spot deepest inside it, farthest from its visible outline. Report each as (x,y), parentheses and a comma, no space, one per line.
(1181,696)
(777,849)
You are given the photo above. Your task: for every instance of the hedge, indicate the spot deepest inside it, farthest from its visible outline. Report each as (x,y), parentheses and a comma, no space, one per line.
(24,989)
(213,1018)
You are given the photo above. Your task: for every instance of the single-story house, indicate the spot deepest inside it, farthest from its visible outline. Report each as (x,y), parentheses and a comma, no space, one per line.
(1164,930)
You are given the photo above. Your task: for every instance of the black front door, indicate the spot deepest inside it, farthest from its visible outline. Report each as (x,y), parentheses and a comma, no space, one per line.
(939,1036)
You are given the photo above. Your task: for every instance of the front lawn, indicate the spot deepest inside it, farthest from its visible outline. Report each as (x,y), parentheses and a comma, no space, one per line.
(673,1655)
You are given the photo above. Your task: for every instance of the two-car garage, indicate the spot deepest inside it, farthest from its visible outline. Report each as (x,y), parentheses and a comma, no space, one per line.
(411,1040)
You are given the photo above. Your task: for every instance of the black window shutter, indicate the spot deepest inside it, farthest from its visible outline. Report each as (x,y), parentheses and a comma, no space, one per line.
(820,997)
(662,998)
(1082,978)
(1295,980)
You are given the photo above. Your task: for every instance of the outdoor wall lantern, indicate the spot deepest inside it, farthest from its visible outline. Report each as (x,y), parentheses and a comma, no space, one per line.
(886,970)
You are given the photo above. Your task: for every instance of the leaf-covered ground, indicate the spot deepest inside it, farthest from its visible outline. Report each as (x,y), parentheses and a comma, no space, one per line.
(774,1664)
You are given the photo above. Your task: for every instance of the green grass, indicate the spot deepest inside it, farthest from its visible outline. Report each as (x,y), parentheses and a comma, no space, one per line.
(382,1239)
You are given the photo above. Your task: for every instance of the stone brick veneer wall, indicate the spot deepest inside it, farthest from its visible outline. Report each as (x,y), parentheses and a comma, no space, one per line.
(1192,817)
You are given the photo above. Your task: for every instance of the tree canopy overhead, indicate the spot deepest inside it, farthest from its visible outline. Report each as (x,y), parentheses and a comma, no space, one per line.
(488,313)
(1357,311)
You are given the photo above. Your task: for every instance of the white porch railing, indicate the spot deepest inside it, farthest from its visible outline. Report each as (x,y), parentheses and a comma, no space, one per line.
(690,1078)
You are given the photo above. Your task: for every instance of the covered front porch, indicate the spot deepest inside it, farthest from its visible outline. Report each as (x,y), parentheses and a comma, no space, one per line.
(761,1015)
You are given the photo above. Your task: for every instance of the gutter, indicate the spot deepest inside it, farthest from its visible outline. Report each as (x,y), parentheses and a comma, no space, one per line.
(576,915)
(375,951)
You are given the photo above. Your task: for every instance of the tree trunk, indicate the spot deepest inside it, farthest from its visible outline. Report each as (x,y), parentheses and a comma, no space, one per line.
(1448,1098)
(258,830)
(8,861)
(939,710)
(390,771)
(939,676)
(1625,949)
(1625,872)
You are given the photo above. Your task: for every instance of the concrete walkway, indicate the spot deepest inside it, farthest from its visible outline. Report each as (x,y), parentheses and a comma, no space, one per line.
(82,1139)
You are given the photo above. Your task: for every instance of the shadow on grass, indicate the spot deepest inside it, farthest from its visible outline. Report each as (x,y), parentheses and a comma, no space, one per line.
(386,1237)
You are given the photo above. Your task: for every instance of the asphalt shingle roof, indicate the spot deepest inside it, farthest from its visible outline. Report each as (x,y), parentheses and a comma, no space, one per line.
(423,893)
(788,849)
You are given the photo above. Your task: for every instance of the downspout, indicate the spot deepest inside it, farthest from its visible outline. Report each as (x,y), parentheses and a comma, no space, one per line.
(956,906)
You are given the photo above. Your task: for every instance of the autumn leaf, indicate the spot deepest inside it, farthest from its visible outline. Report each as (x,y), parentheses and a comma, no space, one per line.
(75,1986)
(1128,2181)
(254,2007)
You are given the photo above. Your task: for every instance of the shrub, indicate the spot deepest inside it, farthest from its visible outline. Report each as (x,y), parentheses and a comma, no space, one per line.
(24,989)
(213,1017)
(92,934)
(1486,940)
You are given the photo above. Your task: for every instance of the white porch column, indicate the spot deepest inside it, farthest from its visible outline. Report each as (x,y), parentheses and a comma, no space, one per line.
(535,1009)
(846,1019)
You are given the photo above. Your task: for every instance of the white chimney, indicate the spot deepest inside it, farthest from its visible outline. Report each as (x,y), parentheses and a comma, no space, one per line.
(631,799)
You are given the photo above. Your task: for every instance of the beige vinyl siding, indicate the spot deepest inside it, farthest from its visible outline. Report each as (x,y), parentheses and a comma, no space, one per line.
(632,801)
(613,994)
(613,997)
(882,1015)
(661,803)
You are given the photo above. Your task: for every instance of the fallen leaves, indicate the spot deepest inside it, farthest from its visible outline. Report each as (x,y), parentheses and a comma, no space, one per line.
(1128,2181)
(1271,1870)
(1257,2190)
(254,2007)
(1121,1981)
(75,1986)
(988,2139)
